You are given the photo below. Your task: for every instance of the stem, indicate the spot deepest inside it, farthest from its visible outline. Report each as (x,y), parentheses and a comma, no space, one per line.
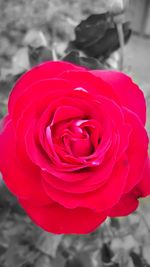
(121,41)
(54,55)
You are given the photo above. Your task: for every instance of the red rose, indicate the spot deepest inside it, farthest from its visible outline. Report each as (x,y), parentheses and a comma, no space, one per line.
(74,147)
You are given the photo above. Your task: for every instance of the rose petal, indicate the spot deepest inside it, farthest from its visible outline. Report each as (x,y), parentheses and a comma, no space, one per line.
(21,180)
(43,71)
(127,204)
(56,219)
(144,185)
(92,84)
(98,199)
(37,102)
(66,112)
(137,149)
(90,178)
(128,92)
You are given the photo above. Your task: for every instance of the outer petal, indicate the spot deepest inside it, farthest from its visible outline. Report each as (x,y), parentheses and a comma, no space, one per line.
(127,204)
(37,99)
(89,82)
(56,219)
(137,149)
(128,92)
(43,71)
(23,181)
(144,185)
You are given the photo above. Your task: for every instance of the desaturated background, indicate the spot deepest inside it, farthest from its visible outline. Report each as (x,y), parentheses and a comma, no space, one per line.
(21,243)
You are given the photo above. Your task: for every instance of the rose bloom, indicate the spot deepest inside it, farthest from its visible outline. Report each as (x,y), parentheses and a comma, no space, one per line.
(73,147)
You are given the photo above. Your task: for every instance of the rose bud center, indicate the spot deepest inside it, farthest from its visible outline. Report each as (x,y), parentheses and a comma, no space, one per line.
(74,137)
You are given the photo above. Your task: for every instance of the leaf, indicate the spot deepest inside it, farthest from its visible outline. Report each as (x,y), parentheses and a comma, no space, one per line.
(14,255)
(20,61)
(27,264)
(35,39)
(38,50)
(114,222)
(5,195)
(59,260)
(88,62)
(5,74)
(4,211)
(129,243)
(43,261)
(39,55)
(8,203)
(137,259)
(48,243)
(74,262)
(116,244)
(3,109)
(85,258)
(6,83)
(106,253)
(146,253)
(2,250)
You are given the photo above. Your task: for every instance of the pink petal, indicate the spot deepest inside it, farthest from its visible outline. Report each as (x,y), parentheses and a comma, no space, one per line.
(43,71)
(56,219)
(101,199)
(90,83)
(38,99)
(90,178)
(23,180)
(127,204)
(137,149)
(128,92)
(144,185)
(65,112)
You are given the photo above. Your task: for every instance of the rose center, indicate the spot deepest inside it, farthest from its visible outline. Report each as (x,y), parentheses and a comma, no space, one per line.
(77,138)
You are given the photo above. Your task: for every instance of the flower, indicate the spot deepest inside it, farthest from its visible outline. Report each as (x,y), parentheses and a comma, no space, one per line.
(73,147)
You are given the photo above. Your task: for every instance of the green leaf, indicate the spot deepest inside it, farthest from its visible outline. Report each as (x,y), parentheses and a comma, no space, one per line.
(48,243)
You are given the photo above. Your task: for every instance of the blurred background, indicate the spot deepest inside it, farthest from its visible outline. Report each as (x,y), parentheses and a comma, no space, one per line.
(26,25)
